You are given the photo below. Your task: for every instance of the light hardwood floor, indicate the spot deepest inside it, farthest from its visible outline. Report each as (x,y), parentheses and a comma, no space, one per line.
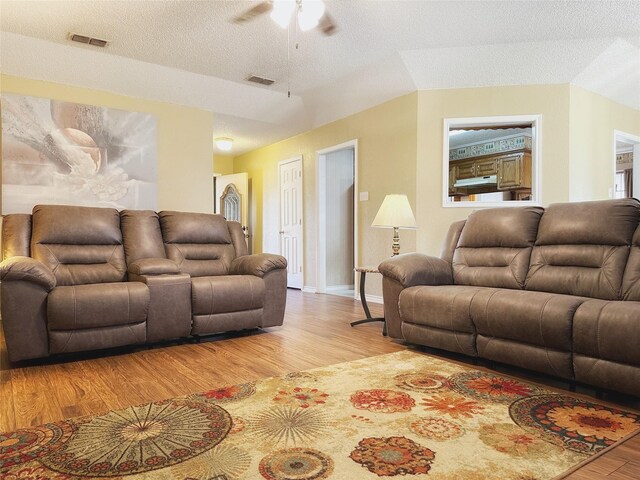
(316,333)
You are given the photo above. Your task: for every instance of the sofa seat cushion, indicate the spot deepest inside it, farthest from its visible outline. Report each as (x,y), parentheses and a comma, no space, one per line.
(536,318)
(97,305)
(445,307)
(528,329)
(226,293)
(439,316)
(609,330)
(606,340)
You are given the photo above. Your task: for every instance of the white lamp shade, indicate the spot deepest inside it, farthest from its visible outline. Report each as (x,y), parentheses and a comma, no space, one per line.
(395,211)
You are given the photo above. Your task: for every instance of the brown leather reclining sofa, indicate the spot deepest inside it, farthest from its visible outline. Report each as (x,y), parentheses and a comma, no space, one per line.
(78,278)
(555,291)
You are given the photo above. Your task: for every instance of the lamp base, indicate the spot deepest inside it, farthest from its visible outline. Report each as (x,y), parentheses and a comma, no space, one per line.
(395,246)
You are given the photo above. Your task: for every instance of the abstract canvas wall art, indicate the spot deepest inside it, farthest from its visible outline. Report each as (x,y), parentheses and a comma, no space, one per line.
(56,152)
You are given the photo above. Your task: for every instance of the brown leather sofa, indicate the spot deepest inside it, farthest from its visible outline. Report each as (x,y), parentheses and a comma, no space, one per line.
(78,278)
(556,291)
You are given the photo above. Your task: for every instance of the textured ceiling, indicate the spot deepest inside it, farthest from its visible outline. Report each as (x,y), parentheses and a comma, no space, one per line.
(188,52)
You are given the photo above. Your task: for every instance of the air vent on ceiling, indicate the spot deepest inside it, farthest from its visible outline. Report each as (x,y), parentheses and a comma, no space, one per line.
(260,80)
(96,42)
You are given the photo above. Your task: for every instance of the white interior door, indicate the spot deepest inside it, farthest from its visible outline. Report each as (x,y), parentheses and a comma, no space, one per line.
(225,203)
(290,179)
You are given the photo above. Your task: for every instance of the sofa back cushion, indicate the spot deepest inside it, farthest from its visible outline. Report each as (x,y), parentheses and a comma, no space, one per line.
(495,246)
(141,235)
(631,279)
(582,248)
(199,243)
(80,245)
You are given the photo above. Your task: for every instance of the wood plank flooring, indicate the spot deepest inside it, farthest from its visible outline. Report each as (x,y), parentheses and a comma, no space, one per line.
(316,333)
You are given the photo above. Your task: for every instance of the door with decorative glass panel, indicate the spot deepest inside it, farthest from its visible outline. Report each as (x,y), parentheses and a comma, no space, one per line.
(232,200)
(290,181)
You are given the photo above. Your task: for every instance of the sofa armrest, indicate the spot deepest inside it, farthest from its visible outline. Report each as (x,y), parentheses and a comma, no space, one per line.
(27,269)
(412,269)
(153,266)
(25,284)
(258,264)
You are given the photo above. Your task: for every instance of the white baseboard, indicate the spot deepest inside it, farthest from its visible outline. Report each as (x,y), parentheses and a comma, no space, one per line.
(370,298)
(333,288)
(373,299)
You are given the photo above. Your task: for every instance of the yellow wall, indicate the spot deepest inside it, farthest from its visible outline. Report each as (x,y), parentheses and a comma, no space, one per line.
(551,101)
(222,164)
(185,144)
(386,137)
(593,120)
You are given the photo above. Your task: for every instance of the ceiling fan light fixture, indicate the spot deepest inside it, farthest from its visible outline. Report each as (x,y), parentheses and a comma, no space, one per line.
(282,11)
(224,143)
(309,14)
(306,22)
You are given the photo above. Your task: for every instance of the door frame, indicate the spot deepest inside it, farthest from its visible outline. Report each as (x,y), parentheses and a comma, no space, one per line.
(321,218)
(636,160)
(301,243)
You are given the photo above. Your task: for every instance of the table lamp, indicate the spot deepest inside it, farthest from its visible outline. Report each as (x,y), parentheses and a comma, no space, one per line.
(395,212)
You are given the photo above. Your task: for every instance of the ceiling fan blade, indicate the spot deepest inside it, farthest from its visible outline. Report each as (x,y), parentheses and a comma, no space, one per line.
(326,25)
(259,9)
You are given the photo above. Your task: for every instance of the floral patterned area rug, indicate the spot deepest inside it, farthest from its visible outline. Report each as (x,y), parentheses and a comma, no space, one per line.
(397,415)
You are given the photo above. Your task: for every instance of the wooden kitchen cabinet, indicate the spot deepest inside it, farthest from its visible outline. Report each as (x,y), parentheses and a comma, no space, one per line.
(488,166)
(510,175)
(513,172)
(466,169)
(453,175)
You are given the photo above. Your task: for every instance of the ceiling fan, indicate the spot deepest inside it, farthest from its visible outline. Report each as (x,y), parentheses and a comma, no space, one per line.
(310,14)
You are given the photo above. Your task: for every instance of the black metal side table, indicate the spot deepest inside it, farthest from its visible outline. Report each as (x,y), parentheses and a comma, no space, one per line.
(363,298)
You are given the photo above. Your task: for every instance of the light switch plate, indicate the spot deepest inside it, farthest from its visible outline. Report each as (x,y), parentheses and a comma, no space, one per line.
(364,196)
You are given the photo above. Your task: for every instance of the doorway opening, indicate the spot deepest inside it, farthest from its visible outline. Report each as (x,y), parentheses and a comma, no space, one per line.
(626,158)
(337,245)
